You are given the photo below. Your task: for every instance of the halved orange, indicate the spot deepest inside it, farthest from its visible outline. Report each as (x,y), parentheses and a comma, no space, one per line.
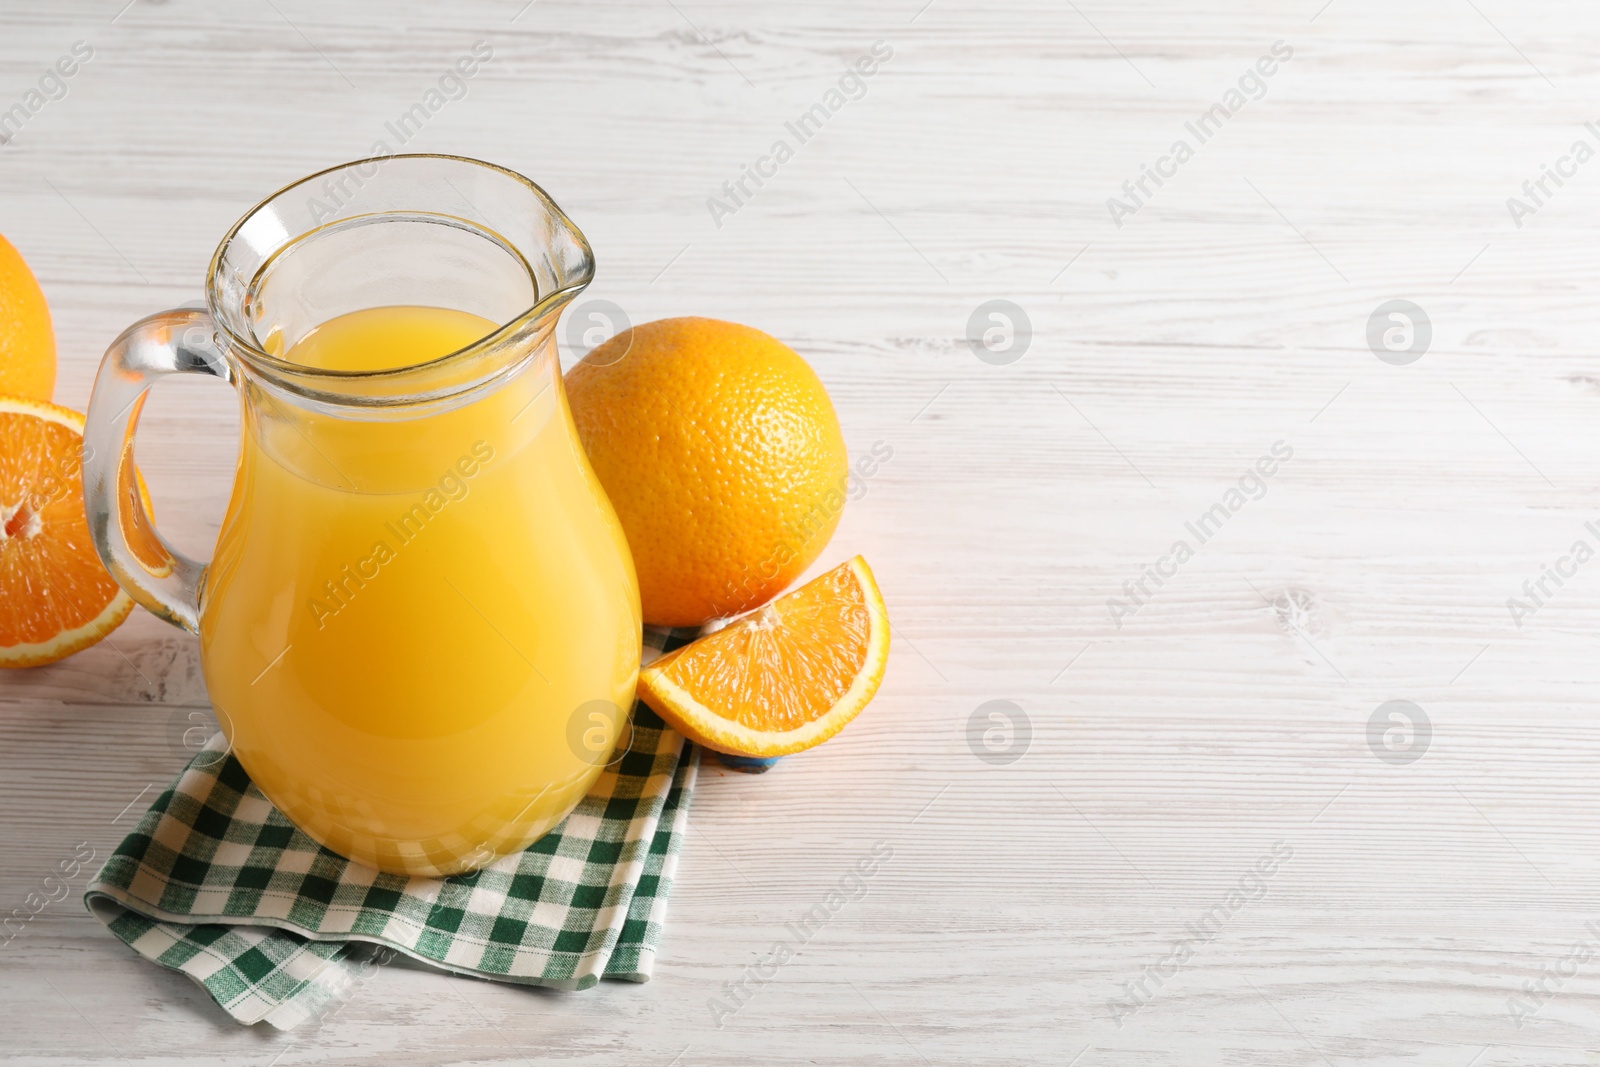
(783,678)
(55,596)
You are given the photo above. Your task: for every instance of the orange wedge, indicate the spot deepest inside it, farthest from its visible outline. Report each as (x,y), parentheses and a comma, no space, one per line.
(783,678)
(55,596)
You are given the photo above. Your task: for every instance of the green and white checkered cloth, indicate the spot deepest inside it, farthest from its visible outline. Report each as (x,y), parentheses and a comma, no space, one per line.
(216,883)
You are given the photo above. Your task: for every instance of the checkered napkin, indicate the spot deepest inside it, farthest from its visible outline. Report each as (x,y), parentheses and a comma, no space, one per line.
(217,884)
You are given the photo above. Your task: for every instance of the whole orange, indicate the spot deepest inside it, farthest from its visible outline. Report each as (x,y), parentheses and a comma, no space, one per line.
(27,343)
(720,451)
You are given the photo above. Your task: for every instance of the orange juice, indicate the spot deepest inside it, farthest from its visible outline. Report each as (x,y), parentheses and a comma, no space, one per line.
(364,564)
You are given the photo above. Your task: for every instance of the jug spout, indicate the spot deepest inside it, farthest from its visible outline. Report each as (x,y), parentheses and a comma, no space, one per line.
(491,243)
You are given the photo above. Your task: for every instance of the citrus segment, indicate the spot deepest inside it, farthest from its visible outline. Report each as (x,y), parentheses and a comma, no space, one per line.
(784,678)
(55,596)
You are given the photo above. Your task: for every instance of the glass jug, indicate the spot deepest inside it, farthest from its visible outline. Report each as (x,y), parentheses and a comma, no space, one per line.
(420,627)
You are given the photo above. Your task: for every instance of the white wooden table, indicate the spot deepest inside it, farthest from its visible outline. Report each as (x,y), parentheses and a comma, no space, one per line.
(1411,897)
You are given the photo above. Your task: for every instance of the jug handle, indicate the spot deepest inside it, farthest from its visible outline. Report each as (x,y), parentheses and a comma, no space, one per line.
(155,574)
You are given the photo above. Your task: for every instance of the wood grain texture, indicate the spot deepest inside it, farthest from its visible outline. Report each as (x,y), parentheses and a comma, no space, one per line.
(1168,754)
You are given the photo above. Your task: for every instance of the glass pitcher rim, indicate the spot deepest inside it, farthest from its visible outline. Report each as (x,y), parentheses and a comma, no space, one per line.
(252,351)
